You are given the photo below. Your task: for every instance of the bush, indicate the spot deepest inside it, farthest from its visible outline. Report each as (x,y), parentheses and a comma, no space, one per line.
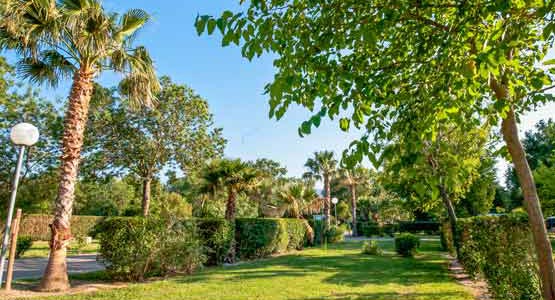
(370,229)
(335,234)
(257,238)
(217,236)
(500,249)
(371,248)
(134,248)
(24,243)
(406,244)
(36,226)
(390,229)
(429,227)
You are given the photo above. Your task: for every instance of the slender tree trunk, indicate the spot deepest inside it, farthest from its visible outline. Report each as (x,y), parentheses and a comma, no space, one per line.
(327,199)
(55,275)
(450,209)
(146,196)
(532,204)
(354,208)
(230,205)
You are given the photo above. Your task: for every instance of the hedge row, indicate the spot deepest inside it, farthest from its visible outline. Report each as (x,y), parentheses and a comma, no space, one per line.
(36,226)
(500,249)
(257,238)
(370,229)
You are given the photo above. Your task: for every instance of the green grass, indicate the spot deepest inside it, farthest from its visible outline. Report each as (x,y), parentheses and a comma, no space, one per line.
(41,249)
(338,272)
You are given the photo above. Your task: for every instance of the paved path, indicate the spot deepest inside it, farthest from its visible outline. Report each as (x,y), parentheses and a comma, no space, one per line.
(34,267)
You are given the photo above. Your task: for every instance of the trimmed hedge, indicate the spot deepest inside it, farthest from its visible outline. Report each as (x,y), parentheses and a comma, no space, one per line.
(429,227)
(500,249)
(217,237)
(446,237)
(36,226)
(257,238)
(134,248)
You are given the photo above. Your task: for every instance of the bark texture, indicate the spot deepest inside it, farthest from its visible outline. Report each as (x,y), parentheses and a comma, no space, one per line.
(146,196)
(354,208)
(532,204)
(55,275)
(230,205)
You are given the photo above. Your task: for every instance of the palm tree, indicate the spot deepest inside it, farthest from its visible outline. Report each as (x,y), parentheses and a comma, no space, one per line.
(59,39)
(322,167)
(231,175)
(299,199)
(352,178)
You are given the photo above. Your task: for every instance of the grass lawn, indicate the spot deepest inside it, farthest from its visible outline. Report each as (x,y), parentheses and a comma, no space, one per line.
(338,272)
(40,249)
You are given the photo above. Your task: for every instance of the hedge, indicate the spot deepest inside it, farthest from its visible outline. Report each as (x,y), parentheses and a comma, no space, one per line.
(36,226)
(430,227)
(217,236)
(257,238)
(134,248)
(500,249)
(446,237)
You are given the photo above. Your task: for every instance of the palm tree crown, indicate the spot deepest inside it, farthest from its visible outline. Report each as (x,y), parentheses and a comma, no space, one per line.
(55,39)
(322,164)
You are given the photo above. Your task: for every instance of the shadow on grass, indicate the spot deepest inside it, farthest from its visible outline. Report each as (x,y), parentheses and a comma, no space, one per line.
(389,296)
(350,269)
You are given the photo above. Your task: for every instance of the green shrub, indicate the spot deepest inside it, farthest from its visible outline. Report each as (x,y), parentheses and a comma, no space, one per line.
(500,250)
(406,244)
(217,236)
(335,234)
(36,226)
(371,248)
(370,229)
(257,238)
(429,227)
(134,248)
(390,229)
(24,243)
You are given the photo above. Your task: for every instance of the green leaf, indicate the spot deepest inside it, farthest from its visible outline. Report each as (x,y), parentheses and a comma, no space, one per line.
(200,23)
(211,26)
(344,124)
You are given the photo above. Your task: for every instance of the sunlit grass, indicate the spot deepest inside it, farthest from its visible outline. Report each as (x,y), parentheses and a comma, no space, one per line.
(41,249)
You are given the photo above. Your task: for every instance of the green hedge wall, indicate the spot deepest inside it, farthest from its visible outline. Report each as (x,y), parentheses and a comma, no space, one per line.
(500,249)
(217,236)
(257,238)
(36,226)
(446,237)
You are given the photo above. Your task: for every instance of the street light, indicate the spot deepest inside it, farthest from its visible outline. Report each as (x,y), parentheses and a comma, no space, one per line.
(334,201)
(23,135)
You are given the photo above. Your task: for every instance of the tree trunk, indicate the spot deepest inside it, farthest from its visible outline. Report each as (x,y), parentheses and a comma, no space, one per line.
(450,209)
(327,200)
(146,196)
(55,275)
(532,204)
(230,205)
(354,208)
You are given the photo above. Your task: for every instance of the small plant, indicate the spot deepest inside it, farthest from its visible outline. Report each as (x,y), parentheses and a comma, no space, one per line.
(371,248)
(406,244)
(24,243)
(335,234)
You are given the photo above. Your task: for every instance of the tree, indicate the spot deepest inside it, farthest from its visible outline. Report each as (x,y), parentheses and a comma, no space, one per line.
(322,166)
(59,39)
(480,196)
(231,175)
(374,60)
(178,131)
(353,178)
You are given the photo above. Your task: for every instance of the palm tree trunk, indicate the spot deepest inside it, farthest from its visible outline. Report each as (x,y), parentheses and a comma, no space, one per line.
(146,196)
(532,204)
(354,209)
(327,200)
(230,205)
(55,275)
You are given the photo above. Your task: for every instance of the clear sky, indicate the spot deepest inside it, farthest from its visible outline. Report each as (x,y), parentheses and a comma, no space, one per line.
(233,86)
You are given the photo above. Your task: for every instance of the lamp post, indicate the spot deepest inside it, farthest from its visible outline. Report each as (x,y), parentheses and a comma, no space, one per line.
(23,135)
(334,201)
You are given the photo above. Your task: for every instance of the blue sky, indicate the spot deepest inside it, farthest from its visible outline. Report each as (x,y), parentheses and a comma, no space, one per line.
(233,86)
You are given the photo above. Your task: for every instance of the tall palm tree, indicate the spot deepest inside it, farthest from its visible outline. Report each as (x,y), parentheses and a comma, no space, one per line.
(352,178)
(299,199)
(231,175)
(60,39)
(322,167)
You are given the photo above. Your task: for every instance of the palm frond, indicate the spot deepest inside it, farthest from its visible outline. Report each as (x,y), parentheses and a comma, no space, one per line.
(141,84)
(49,68)
(130,23)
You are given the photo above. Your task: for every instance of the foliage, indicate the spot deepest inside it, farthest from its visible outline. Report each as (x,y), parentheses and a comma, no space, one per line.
(499,249)
(36,226)
(371,248)
(297,198)
(480,195)
(173,205)
(257,238)
(134,248)
(217,236)
(406,244)
(24,243)
(430,227)
(113,197)
(343,212)
(545,181)
(446,237)
(335,234)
